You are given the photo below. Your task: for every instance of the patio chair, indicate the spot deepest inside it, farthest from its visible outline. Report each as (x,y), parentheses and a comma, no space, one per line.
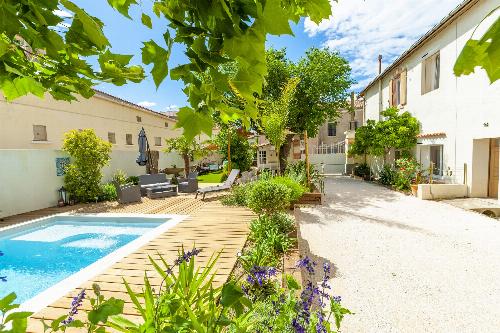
(189,185)
(224,186)
(153,180)
(127,193)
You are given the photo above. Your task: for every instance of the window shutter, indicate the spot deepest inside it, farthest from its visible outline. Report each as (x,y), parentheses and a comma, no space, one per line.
(391,92)
(404,88)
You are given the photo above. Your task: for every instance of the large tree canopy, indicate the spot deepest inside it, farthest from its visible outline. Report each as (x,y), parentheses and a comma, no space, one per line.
(42,49)
(214,33)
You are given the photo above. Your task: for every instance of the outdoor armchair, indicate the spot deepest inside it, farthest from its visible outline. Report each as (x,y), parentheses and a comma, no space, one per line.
(127,193)
(189,185)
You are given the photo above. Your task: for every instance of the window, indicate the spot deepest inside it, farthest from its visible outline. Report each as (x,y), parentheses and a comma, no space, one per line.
(262,157)
(437,159)
(128,139)
(166,124)
(332,129)
(430,73)
(157,141)
(139,119)
(111,137)
(396,90)
(39,133)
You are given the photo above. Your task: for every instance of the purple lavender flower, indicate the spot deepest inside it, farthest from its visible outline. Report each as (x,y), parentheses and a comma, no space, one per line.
(75,304)
(320,326)
(260,274)
(326,268)
(186,257)
(307,264)
(297,326)
(337,299)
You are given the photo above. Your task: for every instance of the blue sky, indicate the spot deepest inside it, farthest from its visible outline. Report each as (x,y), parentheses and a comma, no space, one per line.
(358,29)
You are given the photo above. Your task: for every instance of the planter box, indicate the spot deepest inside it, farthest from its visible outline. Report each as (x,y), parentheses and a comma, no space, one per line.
(441,191)
(314,198)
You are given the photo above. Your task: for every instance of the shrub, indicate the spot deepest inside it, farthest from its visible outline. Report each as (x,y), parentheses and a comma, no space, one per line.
(273,231)
(296,189)
(120,177)
(108,193)
(388,175)
(268,197)
(133,180)
(89,155)
(407,171)
(362,170)
(297,172)
(238,195)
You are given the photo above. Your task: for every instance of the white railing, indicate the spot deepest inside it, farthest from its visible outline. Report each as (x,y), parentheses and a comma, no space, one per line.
(336,148)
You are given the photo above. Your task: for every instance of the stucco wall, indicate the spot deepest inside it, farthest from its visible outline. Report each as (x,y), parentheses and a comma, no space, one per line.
(465,108)
(28,178)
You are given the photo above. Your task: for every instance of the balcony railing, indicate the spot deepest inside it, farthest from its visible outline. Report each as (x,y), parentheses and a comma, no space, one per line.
(336,148)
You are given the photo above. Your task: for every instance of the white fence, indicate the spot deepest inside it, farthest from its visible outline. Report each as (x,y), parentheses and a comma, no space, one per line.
(336,148)
(29,181)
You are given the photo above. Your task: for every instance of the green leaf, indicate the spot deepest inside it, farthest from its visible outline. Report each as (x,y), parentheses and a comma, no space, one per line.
(194,122)
(275,19)
(158,56)
(122,6)
(108,308)
(318,10)
(146,20)
(231,294)
(291,283)
(21,86)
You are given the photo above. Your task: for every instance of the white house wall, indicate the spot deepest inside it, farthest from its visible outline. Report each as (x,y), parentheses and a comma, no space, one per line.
(465,108)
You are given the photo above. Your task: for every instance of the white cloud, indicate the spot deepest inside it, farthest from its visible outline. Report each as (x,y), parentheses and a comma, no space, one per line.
(147,104)
(361,30)
(172,107)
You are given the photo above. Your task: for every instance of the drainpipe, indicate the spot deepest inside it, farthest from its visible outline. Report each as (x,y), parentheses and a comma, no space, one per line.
(380,101)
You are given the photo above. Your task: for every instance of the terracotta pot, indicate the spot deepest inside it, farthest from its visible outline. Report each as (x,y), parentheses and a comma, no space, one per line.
(414,189)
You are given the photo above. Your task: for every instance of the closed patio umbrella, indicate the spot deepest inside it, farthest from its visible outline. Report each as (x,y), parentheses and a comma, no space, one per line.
(142,141)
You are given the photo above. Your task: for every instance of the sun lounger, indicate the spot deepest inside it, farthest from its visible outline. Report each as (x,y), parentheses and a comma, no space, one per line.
(224,186)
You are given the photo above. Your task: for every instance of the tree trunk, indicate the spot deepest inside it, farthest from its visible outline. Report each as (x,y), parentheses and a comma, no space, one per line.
(186,164)
(284,152)
(279,162)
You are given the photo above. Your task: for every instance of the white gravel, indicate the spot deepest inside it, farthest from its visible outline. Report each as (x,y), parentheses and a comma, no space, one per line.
(403,264)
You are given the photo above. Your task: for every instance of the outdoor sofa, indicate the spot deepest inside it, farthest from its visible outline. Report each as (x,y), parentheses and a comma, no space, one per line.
(224,186)
(152,180)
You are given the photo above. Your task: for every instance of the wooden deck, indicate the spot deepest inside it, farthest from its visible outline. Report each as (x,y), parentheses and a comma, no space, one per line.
(210,226)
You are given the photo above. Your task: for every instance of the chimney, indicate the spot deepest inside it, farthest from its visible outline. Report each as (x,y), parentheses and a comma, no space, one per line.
(379,64)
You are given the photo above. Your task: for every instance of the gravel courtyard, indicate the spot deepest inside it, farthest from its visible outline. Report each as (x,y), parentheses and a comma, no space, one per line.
(405,265)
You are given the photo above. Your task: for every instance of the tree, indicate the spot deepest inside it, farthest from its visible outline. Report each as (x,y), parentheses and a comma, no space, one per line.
(188,149)
(213,33)
(322,90)
(242,154)
(483,52)
(43,50)
(396,131)
(89,154)
(275,118)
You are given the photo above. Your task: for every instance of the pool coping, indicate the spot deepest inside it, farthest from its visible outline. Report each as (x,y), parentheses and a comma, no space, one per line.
(63,287)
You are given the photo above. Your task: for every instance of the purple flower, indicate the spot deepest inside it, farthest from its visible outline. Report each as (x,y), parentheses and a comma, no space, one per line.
(320,326)
(260,274)
(337,299)
(75,304)
(307,264)
(326,268)
(297,326)
(186,256)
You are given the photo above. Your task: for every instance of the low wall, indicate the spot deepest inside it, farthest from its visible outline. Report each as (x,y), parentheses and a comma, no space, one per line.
(332,163)
(441,191)
(29,180)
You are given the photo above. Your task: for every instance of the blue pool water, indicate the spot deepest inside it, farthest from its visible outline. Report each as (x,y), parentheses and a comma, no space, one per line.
(40,256)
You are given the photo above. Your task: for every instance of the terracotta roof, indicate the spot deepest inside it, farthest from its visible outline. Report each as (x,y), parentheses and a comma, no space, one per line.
(431,135)
(465,5)
(118,100)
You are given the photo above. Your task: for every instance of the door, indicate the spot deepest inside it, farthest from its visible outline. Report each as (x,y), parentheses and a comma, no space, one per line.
(494,163)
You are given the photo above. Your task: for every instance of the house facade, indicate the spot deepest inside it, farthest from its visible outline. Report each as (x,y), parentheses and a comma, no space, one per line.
(326,149)
(459,116)
(31,137)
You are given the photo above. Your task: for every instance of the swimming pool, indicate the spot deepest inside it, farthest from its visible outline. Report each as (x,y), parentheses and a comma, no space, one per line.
(46,258)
